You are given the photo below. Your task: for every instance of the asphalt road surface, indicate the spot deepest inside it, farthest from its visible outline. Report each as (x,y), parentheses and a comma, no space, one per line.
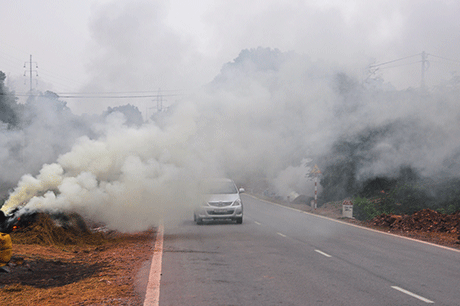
(281,256)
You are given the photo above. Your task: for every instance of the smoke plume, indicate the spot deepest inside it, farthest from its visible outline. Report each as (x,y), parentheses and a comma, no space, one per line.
(265,120)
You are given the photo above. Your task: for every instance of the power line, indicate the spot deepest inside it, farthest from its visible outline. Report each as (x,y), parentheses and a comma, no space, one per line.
(11,61)
(446,59)
(51,77)
(89,96)
(396,60)
(441,62)
(395,66)
(117,97)
(424,62)
(121,92)
(54,79)
(407,57)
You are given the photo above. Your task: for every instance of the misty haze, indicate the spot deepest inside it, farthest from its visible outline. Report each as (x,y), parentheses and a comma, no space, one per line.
(122,108)
(265,120)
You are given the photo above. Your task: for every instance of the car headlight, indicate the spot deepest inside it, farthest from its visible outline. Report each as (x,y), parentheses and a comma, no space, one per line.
(237,203)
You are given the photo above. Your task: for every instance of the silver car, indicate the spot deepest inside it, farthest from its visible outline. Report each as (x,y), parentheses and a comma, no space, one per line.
(222,201)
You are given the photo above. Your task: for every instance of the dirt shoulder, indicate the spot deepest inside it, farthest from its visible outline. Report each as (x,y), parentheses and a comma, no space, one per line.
(106,273)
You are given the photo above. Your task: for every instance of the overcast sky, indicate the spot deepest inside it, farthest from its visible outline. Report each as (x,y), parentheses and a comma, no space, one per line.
(179,45)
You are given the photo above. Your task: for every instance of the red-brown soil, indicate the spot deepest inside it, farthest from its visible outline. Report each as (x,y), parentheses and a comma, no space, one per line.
(56,266)
(427,225)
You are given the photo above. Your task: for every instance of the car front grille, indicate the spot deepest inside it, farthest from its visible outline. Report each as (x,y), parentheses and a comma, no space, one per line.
(223,212)
(220,204)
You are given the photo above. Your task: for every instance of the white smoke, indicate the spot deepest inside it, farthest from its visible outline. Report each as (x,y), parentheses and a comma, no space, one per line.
(262,118)
(126,178)
(47,128)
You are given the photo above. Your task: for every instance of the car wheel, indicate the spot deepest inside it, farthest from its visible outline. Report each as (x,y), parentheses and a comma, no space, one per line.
(239,220)
(199,221)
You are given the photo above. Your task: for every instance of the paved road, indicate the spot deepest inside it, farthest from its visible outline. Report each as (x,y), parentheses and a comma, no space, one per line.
(280,256)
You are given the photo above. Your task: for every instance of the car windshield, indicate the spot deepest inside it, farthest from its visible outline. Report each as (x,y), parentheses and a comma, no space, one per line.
(220,187)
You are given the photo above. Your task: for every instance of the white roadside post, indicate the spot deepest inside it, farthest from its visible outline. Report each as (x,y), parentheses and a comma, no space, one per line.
(347,209)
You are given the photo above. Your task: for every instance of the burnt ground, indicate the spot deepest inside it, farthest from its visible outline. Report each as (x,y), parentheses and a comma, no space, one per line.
(47,273)
(90,268)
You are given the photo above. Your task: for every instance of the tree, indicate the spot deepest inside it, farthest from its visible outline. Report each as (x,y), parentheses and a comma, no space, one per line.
(132,114)
(8,105)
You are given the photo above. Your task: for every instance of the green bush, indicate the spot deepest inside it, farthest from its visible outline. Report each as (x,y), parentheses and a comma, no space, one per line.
(407,199)
(365,209)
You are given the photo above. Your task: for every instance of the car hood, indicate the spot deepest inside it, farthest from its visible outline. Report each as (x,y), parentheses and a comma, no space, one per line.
(222,197)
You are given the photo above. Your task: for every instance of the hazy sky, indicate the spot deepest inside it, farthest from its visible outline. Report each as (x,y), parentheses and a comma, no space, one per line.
(140,45)
(255,124)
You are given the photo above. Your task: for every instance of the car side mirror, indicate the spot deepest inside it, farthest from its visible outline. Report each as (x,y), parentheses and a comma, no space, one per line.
(241,190)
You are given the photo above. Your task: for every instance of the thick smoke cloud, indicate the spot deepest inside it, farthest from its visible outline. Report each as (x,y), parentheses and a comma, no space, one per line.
(125,178)
(43,128)
(264,121)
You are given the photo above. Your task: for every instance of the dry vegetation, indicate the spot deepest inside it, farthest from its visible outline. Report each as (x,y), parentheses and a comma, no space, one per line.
(55,265)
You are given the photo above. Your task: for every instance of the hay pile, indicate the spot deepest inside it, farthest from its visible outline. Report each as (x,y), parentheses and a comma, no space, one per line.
(57,230)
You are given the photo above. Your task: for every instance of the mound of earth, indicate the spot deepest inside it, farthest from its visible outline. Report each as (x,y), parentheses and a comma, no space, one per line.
(427,222)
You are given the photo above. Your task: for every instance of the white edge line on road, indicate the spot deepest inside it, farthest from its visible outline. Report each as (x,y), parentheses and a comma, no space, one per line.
(322,253)
(413,294)
(282,235)
(357,226)
(258,223)
(152,294)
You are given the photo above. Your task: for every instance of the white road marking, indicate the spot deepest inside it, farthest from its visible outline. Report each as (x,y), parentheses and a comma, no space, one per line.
(358,226)
(258,223)
(413,294)
(322,253)
(282,235)
(152,295)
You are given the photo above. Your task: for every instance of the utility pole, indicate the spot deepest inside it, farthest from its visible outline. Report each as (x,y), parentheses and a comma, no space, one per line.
(425,65)
(316,172)
(159,99)
(30,71)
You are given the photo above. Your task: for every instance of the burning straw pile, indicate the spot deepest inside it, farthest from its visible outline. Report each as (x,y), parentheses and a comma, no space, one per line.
(57,229)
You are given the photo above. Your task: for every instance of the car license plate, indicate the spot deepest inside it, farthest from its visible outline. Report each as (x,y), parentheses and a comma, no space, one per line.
(220,210)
